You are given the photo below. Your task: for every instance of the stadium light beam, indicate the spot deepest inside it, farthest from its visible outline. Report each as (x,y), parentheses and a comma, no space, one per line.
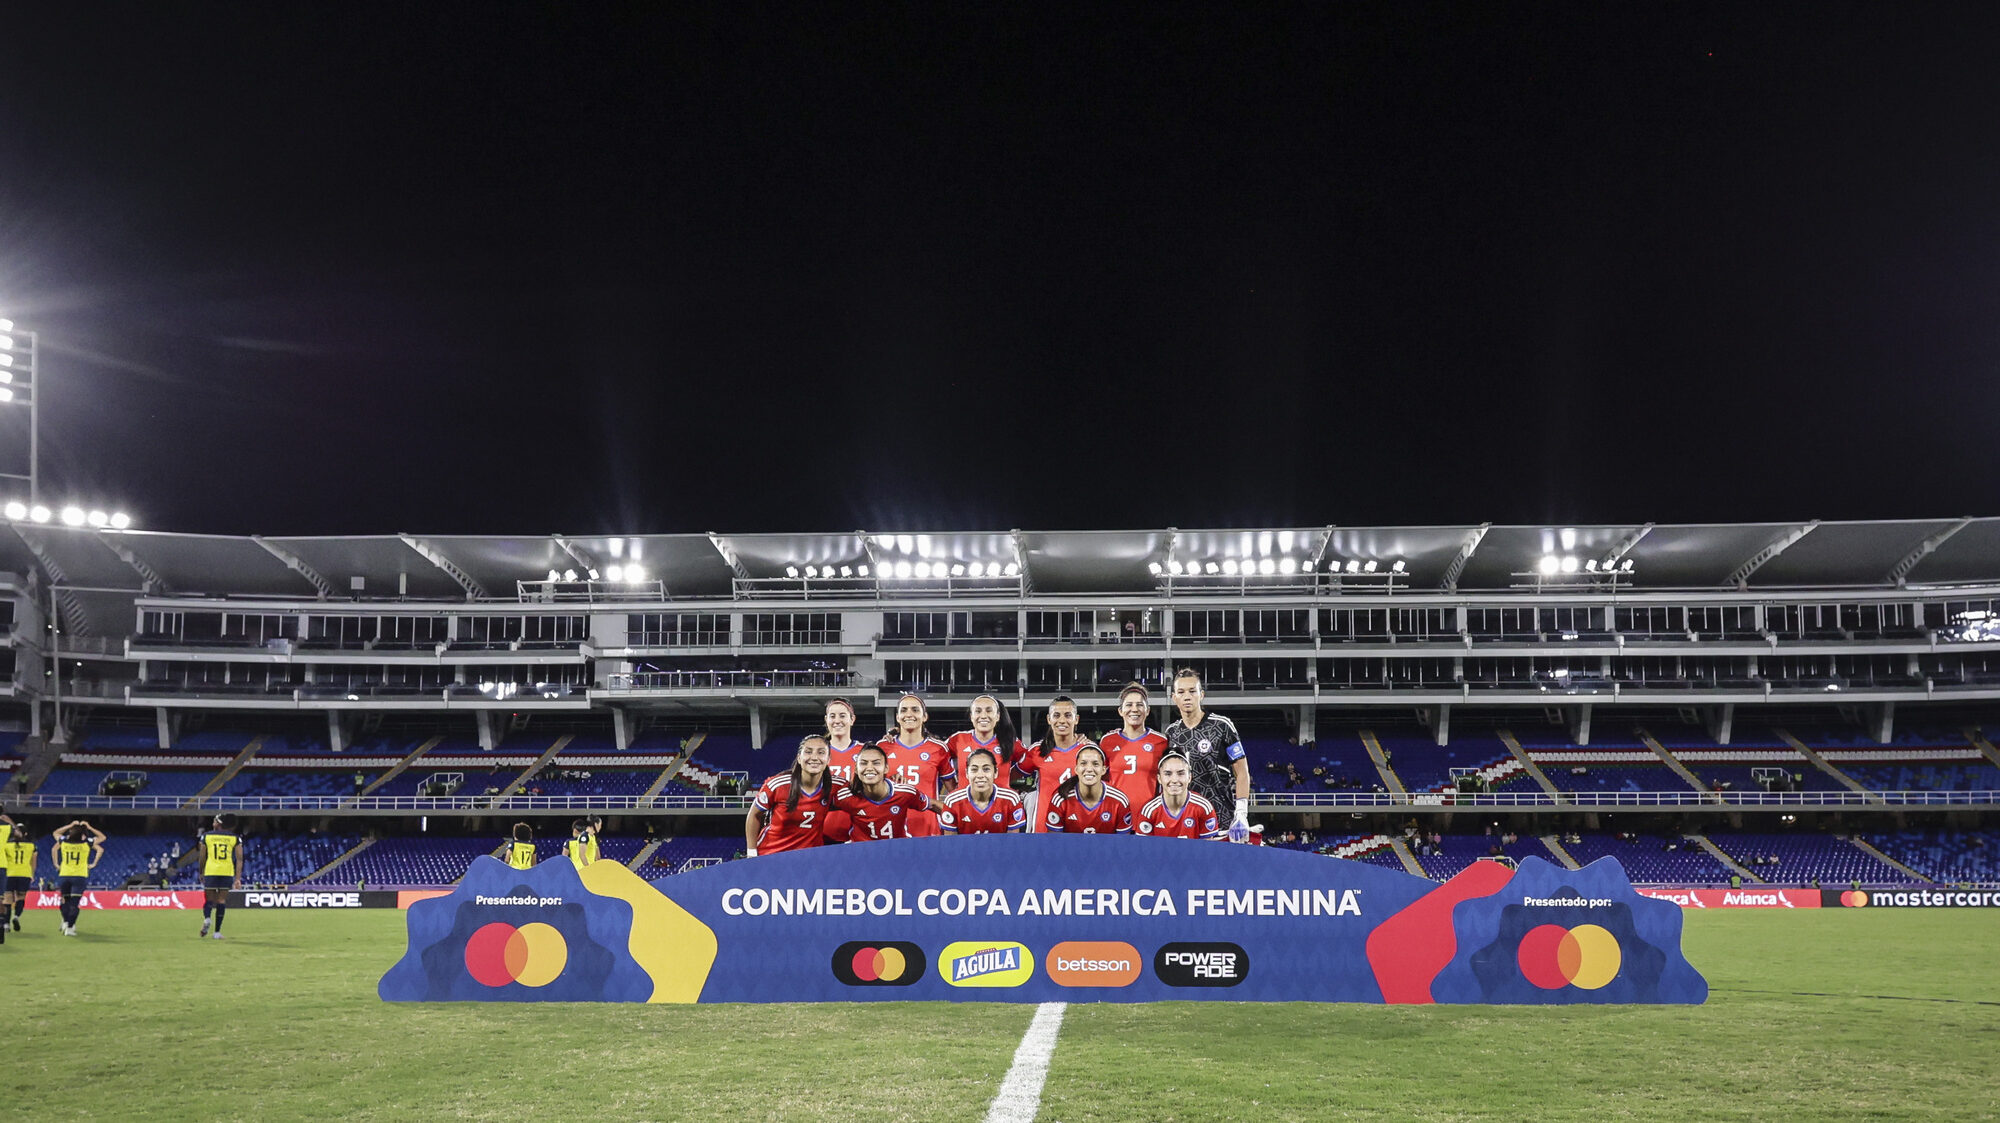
(17,510)
(72,516)
(120,520)
(1550,565)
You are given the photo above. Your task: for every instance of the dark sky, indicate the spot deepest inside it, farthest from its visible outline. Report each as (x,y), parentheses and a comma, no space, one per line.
(563,267)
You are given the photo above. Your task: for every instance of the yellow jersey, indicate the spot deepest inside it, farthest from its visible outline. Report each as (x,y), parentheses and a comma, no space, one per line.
(521,855)
(6,834)
(219,852)
(72,859)
(578,851)
(590,845)
(20,857)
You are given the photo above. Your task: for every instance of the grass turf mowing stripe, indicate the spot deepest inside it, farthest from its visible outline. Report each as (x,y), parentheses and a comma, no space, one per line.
(1020,1094)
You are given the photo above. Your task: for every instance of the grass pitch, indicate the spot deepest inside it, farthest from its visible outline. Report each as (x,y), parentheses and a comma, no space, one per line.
(1837,1014)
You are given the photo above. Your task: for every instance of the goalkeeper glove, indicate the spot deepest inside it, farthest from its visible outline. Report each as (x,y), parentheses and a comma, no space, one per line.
(1239,827)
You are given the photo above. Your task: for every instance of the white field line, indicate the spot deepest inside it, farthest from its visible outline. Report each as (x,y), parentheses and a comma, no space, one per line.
(1020,1095)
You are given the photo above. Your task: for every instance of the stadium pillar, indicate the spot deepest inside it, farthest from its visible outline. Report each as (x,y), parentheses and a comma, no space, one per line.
(163,727)
(484,720)
(336,731)
(621,728)
(1579,726)
(1308,724)
(1442,726)
(757,726)
(1885,723)
(1720,719)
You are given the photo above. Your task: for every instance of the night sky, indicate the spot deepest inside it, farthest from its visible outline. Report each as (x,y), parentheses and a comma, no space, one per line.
(540,268)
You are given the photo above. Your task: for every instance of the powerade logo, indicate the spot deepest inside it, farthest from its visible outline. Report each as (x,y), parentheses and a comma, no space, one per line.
(258,899)
(970,963)
(878,963)
(1201,965)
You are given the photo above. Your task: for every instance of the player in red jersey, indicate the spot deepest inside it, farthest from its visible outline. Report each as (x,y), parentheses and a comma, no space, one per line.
(917,759)
(1176,812)
(1052,758)
(790,810)
(840,746)
(992,730)
(877,807)
(1085,804)
(1134,751)
(982,806)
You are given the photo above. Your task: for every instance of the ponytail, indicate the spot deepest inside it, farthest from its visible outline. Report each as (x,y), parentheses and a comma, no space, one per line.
(799,775)
(1068,788)
(1006,739)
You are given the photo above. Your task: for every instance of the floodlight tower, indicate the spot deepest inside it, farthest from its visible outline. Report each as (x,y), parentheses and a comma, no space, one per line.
(19,386)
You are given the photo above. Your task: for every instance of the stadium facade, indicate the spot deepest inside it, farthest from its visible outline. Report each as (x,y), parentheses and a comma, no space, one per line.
(1857,623)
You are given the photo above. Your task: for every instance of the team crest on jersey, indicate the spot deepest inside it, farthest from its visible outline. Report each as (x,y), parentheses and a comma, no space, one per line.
(1146,827)
(923,756)
(1205,746)
(1104,816)
(996,816)
(895,811)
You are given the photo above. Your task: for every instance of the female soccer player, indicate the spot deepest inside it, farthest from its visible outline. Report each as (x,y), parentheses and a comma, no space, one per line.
(992,730)
(20,863)
(221,871)
(1085,804)
(577,849)
(1134,751)
(1052,759)
(79,846)
(917,759)
(877,807)
(1176,812)
(521,848)
(840,742)
(790,810)
(982,806)
(1216,764)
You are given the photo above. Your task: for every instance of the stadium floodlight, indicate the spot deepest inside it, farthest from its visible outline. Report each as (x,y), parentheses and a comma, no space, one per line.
(1267,567)
(1213,569)
(957,570)
(1550,564)
(6,325)
(72,516)
(6,360)
(569,574)
(1153,568)
(615,572)
(1569,563)
(812,571)
(593,575)
(7,376)
(38,513)
(1307,565)
(1288,565)
(120,520)
(1013,569)
(847,571)
(792,571)
(906,543)
(6,343)
(17,510)
(1627,567)
(6,393)
(923,570)
(97,518)
(1229,566)
(861,571)
(1590,565)
(1398,567)
(635,572)
(554,576)
(1368,566)
(1353,565)
(902,570)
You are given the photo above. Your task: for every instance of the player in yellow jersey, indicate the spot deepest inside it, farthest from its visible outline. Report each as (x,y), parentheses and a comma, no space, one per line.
(578,846)
(221,870)
(6,873)
(521,848)
(596,827)
(79,846)
(20,860)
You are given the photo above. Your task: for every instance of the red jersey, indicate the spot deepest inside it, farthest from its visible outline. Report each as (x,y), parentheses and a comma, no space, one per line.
(920,766)
(840,762)
(1133,765)
(792,828)
(961,745)
(1109,815)
(1051,767)
(888,817)
(1003,814)
(1195,819)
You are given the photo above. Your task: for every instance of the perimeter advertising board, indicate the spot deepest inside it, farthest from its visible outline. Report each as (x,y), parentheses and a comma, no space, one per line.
(1044,918)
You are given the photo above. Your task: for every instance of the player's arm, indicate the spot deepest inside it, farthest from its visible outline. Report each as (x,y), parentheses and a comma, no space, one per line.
(753,829)
(1239,763)
(238,853)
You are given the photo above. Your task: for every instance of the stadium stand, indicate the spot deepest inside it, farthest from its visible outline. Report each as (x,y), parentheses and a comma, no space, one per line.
(1338,763)
(1454,852)
(1425,766)
(1804,859)
(1952,857)
(1651,859)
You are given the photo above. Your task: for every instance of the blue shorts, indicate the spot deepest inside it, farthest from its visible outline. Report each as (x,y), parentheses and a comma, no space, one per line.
(20,884)
(72,886)
(218,881)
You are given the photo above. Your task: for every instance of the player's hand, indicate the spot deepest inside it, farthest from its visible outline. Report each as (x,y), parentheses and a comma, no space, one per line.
(1239,827)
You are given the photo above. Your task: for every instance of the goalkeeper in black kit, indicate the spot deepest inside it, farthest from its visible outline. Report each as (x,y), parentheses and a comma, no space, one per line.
(1214,752)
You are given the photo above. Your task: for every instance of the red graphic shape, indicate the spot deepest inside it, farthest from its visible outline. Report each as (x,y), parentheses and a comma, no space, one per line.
(867,965)
(488,952)
(1548,956)
(1408,950)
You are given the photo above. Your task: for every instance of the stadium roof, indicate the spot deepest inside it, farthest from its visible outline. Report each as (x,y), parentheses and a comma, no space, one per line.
(1470,558)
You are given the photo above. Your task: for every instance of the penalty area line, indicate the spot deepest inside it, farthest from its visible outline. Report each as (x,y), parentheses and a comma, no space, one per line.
(1020,1095)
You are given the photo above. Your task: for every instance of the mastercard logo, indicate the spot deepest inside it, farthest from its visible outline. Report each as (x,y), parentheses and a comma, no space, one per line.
(1553,957)
(879,963)
(1854,899)
(532,955)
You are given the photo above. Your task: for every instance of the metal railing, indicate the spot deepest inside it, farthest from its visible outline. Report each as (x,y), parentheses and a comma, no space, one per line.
(732,680)
(1262,801)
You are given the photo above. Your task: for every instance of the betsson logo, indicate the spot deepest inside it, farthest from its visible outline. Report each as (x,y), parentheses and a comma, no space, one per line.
(1087,964)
